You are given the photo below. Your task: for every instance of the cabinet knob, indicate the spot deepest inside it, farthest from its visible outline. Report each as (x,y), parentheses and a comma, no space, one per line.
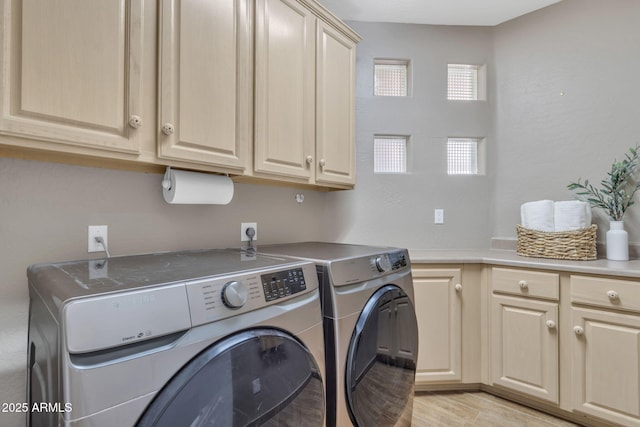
(550,324)
(135,121)
(458,287)
(168,129)
(309,160)
(323,163)
(613,295)
(523,285)
(578,330)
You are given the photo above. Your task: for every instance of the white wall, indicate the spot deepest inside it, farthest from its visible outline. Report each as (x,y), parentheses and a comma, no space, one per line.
(45,209)
(398,209)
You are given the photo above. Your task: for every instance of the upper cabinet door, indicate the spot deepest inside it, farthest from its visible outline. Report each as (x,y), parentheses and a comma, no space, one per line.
(284,93)
(71,72)
(205,82)
(335,105)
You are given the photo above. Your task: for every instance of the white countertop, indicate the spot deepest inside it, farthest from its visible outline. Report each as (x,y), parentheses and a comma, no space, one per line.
(510,258)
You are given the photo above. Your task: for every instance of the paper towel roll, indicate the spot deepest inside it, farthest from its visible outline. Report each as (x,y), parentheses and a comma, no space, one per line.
(182,187)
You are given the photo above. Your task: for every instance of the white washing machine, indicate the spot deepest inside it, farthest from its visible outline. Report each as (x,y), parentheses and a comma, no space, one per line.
(196,338)
(371,332)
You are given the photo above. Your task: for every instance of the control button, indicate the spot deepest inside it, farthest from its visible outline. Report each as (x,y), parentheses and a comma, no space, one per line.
(383,264)
(234,294)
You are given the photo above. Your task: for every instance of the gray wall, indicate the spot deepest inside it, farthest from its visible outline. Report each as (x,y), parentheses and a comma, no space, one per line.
(588,50)
(398,209)
(45,209)
(537,140)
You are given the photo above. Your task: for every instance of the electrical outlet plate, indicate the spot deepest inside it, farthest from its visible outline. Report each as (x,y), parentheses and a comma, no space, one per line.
(243,231)
(438,216)
(96,231)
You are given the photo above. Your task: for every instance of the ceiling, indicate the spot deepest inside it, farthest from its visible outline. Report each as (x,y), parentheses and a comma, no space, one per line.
(435,12)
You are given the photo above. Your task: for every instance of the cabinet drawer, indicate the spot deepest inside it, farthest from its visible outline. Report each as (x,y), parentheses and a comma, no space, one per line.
(525,283)
(606,292)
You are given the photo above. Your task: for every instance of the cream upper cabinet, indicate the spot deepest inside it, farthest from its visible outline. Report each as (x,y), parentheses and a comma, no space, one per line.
(606,348)
(205,82)
(438,301)
(335,107)
(284,91)
(304,95)
(524,332)
(71,72)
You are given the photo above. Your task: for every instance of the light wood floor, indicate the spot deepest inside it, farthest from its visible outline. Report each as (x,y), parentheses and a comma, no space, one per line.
(452,409)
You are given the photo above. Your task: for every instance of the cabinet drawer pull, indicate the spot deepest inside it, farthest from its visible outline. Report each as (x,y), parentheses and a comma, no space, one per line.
(135,121)
(523,285)
(613,295)
(550,324)
(309,160)
(323,163)
(168,129)
(458,287)
(578,330)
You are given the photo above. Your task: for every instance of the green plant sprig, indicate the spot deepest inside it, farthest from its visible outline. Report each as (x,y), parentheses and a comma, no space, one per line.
(618,188)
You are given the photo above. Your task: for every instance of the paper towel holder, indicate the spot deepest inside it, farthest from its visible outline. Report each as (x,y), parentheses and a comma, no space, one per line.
(166,180)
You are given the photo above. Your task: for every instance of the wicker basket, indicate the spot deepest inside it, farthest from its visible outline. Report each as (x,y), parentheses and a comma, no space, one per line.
(575,245)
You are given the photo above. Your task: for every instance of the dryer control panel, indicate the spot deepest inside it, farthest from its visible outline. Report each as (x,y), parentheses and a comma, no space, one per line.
(362,269)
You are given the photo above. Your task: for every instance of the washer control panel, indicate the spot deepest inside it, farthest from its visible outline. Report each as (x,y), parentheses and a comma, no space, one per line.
(216,298)
(281,284)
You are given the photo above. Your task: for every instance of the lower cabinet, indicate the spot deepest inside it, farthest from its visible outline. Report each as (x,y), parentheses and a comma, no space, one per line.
(524,346)
(524,332)
(438,301)
(564,343)
(606,349)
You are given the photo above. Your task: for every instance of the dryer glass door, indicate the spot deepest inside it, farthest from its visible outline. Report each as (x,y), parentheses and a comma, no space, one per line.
(381,362)
(258,377)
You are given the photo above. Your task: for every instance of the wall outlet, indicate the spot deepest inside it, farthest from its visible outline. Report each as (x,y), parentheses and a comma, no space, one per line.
(97,231)
(243,231)
(438,216)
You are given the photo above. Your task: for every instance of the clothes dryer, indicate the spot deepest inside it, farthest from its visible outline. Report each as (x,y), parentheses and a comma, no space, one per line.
(176,339)
(371,332)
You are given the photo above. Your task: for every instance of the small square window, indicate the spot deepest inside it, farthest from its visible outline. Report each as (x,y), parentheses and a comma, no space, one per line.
(465,82)
(390,154)
(391,77)
(462,156)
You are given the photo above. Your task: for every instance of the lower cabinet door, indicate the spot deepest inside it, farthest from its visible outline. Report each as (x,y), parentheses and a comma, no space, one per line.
(439,313)
(606,365)
(524,346)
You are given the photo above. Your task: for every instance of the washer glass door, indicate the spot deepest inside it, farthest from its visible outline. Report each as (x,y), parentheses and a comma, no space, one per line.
(381,362)
(257,377)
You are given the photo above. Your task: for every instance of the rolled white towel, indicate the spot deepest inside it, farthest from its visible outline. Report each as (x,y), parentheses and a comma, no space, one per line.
(571,215)
(537,215)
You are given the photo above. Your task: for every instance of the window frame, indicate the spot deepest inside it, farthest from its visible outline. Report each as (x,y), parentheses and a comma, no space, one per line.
(406,139)
(389,61)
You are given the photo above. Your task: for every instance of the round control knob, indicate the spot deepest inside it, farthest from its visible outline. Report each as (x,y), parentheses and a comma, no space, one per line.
(234,294)
(383,264)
